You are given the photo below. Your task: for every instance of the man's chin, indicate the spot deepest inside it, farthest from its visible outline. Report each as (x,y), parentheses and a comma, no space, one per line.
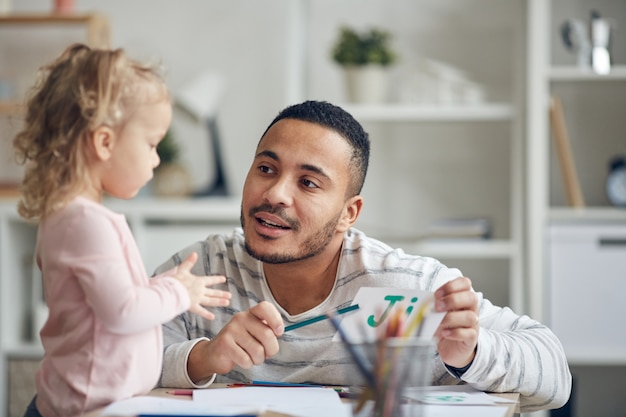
(269,257)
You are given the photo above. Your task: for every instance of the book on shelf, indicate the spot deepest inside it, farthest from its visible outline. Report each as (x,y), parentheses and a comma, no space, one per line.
(459,228)
(571,183)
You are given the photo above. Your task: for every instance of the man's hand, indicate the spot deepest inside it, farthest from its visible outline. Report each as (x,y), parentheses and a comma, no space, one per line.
(458,331)
(248,339)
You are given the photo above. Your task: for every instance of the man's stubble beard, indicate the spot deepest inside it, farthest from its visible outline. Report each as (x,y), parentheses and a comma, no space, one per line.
(313,246)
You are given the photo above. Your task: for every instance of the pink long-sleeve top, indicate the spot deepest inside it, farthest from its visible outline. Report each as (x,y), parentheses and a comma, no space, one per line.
(102,339)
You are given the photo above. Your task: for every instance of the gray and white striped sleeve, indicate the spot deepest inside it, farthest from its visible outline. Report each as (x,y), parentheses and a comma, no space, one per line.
(518,354)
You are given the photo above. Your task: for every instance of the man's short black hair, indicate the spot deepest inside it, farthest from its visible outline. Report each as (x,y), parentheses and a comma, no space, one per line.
(337,119)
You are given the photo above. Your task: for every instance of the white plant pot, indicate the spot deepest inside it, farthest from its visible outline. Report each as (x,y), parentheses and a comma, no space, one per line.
(172,180)
(367,84)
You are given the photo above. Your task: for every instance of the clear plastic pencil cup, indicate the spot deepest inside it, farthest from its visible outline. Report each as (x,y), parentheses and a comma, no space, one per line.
(401,369)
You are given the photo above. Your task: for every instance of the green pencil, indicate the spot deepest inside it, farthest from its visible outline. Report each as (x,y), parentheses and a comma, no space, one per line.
(320,318)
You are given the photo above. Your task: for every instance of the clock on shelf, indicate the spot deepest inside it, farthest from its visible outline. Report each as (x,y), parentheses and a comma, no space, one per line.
(616,181)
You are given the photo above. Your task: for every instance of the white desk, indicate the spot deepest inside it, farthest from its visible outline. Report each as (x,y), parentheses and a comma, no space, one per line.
(512,408)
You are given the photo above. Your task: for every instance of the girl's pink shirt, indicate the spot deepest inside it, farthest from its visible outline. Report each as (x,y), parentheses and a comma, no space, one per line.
(103,338)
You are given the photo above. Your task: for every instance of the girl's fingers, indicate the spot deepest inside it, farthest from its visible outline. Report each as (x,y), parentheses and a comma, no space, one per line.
(189,262)
(213,280)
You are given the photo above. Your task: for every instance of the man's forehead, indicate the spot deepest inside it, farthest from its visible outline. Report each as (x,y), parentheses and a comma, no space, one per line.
(305,145)
(302,134)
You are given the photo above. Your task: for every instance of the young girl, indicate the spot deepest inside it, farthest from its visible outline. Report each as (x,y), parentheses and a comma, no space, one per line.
(92,127)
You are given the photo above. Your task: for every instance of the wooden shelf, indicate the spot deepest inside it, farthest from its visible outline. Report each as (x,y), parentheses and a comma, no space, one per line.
(10,107)
(97,24)
(11,191)
(39,18)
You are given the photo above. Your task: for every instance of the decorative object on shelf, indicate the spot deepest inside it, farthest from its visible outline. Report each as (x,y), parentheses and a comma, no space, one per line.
(199,99)
(63,6)
(616,181)
(365,58)
(600,34)
(575,38)
(171,178)
(590,42)
(573,190)
(460,228)
(435,82)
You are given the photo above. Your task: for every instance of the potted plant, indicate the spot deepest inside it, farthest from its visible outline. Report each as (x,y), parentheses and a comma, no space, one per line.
(365,58)
(171,178)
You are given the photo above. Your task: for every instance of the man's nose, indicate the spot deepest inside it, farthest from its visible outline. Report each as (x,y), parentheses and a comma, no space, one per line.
(280,192)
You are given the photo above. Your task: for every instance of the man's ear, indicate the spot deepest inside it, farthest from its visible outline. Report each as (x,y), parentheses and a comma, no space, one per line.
(351,213)
(103,140)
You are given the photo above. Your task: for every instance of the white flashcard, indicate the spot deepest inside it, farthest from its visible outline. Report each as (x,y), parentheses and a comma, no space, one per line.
(378,304)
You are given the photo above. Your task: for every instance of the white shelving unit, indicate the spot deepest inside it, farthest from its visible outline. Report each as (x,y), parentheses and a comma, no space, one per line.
(568,266)
(545,195)
(397,128)
(21,58)
(507,248)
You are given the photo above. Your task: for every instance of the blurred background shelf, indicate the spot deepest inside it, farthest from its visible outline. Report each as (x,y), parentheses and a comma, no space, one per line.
(460,248)
(571,73)
(425,113)
(96,25)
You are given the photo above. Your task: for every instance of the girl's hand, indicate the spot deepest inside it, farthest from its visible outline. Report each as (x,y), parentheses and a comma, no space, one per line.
(198,288)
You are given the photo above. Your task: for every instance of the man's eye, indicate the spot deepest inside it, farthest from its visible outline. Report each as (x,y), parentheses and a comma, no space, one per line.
(265,169)
(309,184)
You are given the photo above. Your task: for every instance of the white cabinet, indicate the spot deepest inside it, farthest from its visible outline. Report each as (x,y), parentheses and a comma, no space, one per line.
(593,111)
(587,264)
(161,227)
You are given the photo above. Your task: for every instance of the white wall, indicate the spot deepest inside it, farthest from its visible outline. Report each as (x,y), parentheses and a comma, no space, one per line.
(246,41)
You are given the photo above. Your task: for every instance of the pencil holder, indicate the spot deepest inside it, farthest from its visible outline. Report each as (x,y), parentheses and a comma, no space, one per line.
(401,368)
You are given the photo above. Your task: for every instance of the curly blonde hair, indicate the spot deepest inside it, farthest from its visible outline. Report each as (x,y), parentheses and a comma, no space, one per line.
(81,90)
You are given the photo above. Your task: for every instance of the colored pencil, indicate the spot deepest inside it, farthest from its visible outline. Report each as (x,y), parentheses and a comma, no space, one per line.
(272,384)
(320,317)
(358,359)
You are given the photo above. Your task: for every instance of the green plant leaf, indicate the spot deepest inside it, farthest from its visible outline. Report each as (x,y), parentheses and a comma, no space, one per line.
(168,149)
(372,46)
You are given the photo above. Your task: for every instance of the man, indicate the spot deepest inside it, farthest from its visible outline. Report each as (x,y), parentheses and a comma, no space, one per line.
(298,256)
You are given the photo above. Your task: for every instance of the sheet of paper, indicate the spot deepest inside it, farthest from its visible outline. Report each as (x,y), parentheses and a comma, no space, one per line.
(375,307)
(432,410)
(169,406)
(464,411)
(456,395)
(294,401)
